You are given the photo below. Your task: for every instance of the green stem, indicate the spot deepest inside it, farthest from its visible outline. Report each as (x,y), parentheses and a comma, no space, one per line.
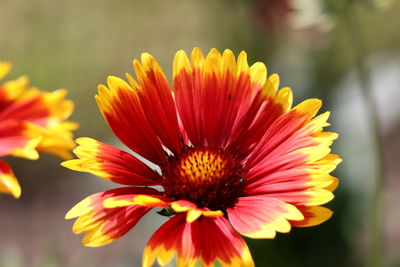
(376,240)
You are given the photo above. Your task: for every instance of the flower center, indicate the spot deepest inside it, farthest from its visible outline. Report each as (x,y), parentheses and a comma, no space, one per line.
(202,166)
(208,178)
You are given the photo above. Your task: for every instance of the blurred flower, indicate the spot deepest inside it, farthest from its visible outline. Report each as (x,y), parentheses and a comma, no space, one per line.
(308,20)
(233,158)
(293,14)
(31,121)
(272,14)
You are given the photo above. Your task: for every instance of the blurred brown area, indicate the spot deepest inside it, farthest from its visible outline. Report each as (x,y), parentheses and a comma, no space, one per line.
(392,189)
(77,44)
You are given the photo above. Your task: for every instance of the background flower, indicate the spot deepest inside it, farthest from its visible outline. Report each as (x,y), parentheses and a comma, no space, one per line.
(31,121)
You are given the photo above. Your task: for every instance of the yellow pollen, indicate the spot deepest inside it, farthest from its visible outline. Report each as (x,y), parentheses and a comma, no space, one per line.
(209,178)
(203,166)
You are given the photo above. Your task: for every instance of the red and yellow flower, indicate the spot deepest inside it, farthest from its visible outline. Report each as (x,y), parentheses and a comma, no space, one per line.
(31,121)
(234,158)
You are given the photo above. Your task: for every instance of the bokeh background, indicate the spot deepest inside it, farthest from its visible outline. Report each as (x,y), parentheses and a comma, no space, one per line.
(344,52)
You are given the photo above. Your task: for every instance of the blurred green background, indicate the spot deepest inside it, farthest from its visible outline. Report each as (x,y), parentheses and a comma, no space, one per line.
(325,49)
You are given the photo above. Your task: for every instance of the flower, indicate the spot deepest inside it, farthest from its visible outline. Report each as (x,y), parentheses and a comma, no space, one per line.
(31,121)
(233,158)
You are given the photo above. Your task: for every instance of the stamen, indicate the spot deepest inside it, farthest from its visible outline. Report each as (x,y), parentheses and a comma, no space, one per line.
(208,178)
(203,166)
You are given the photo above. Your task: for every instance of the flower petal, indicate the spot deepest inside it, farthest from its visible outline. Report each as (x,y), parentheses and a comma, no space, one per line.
(300,186)
(296,179)
(206,240)
(219,241)
(296,168)
(187,86)
(43,115)
(56,131)
(285,98)
(226,89)
(253,124)
(173,236)
(103,225)
(44,109)
(11,90)
(17,139)
(4,69)
(313,216)
(57,140)
(310,197)
(122,109)
(8,183)
(243,99)
(157,102)
(111,164)
(153,201)
(215,81)
(262,216)
(255,119)
(193,212)
(281,135)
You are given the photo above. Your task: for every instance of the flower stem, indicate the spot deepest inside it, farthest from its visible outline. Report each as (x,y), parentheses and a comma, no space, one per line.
(376,239)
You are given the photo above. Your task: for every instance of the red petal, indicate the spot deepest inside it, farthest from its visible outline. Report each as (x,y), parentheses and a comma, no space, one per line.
(253,124)
(276,135)
(104,225)
(219,241)
(16,139)
(174,236)
(8,183)
(211,94)
(187,87)
(111,163)
(157,102)
(122,109)
(206,239)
